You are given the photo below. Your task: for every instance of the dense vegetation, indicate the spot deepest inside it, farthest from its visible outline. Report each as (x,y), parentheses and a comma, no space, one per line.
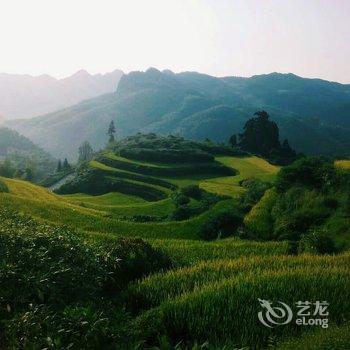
(309,203)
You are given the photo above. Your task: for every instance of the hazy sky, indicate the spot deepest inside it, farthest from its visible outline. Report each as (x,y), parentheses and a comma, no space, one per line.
(220,37)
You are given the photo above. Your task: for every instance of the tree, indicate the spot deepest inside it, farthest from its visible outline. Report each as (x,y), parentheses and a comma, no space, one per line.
(6,169)
(59,166)
(111,131)
(28,174)
(233,141)
(260,135)
(85,152)
(66,165)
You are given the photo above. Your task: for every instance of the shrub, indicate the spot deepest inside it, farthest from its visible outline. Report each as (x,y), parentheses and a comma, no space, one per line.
(179,199)
(330,202)
(317,241)
(310,171)
(56,288)
(127,259)
(192,191)
(255,189)
(3,187)
(222,224)
(180,213)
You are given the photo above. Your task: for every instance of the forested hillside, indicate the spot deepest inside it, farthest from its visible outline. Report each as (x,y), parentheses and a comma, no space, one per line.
(20,157)
(311,113)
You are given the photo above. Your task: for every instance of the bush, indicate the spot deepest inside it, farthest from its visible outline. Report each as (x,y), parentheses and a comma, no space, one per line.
(179,199)
(131,258)
(222,224)
(192,191)
(180,213)
(317,241)
(311,172)
(255,189)
(57,291)
(3,187)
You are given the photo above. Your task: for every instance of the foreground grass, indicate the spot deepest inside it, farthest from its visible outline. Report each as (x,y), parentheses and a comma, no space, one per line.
(333,338)
(228,309)
(156,289)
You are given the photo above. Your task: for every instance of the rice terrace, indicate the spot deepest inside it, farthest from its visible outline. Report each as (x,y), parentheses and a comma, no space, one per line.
(175,175)
(200,238)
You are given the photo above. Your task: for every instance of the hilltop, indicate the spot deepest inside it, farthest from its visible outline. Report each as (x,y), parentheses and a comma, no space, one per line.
(311,113)
(25,96)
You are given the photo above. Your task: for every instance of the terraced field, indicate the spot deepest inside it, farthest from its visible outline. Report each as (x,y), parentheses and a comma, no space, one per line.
(247,167)
(343,164)
(211,292)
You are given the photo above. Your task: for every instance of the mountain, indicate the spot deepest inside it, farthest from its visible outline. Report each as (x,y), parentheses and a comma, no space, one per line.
(23,153)
(311,113)
(25,96)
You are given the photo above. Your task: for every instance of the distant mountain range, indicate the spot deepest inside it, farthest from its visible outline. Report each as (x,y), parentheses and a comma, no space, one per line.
(25,96)
(313,114)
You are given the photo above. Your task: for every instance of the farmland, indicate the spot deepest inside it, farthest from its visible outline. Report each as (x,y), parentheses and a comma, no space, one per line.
(177,285)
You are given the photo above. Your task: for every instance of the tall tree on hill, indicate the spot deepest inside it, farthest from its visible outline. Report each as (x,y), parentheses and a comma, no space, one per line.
(59,166)
(66,165)
(233,141)
(85,152)
(260,135)
(111,132)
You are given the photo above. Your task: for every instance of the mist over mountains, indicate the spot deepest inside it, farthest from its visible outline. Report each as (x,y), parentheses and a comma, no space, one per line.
(25,96)
(313,114)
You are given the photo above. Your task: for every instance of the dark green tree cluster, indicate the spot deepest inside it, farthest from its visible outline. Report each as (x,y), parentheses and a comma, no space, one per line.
(63,167)
(85,152)
(6,169)
(27,172)
(260,136)
(111,131)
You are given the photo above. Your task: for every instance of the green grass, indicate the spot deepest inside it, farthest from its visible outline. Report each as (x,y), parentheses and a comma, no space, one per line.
(44,205)
(108,199)
(158,288)
(333,338)
(228,309)
(212,291)
(248,167)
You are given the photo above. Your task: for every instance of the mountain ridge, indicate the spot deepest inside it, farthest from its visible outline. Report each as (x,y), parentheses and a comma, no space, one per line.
(26,96)
(311,113)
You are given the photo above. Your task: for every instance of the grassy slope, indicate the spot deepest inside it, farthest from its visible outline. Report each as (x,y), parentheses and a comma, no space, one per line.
(207,295)
(248,167)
